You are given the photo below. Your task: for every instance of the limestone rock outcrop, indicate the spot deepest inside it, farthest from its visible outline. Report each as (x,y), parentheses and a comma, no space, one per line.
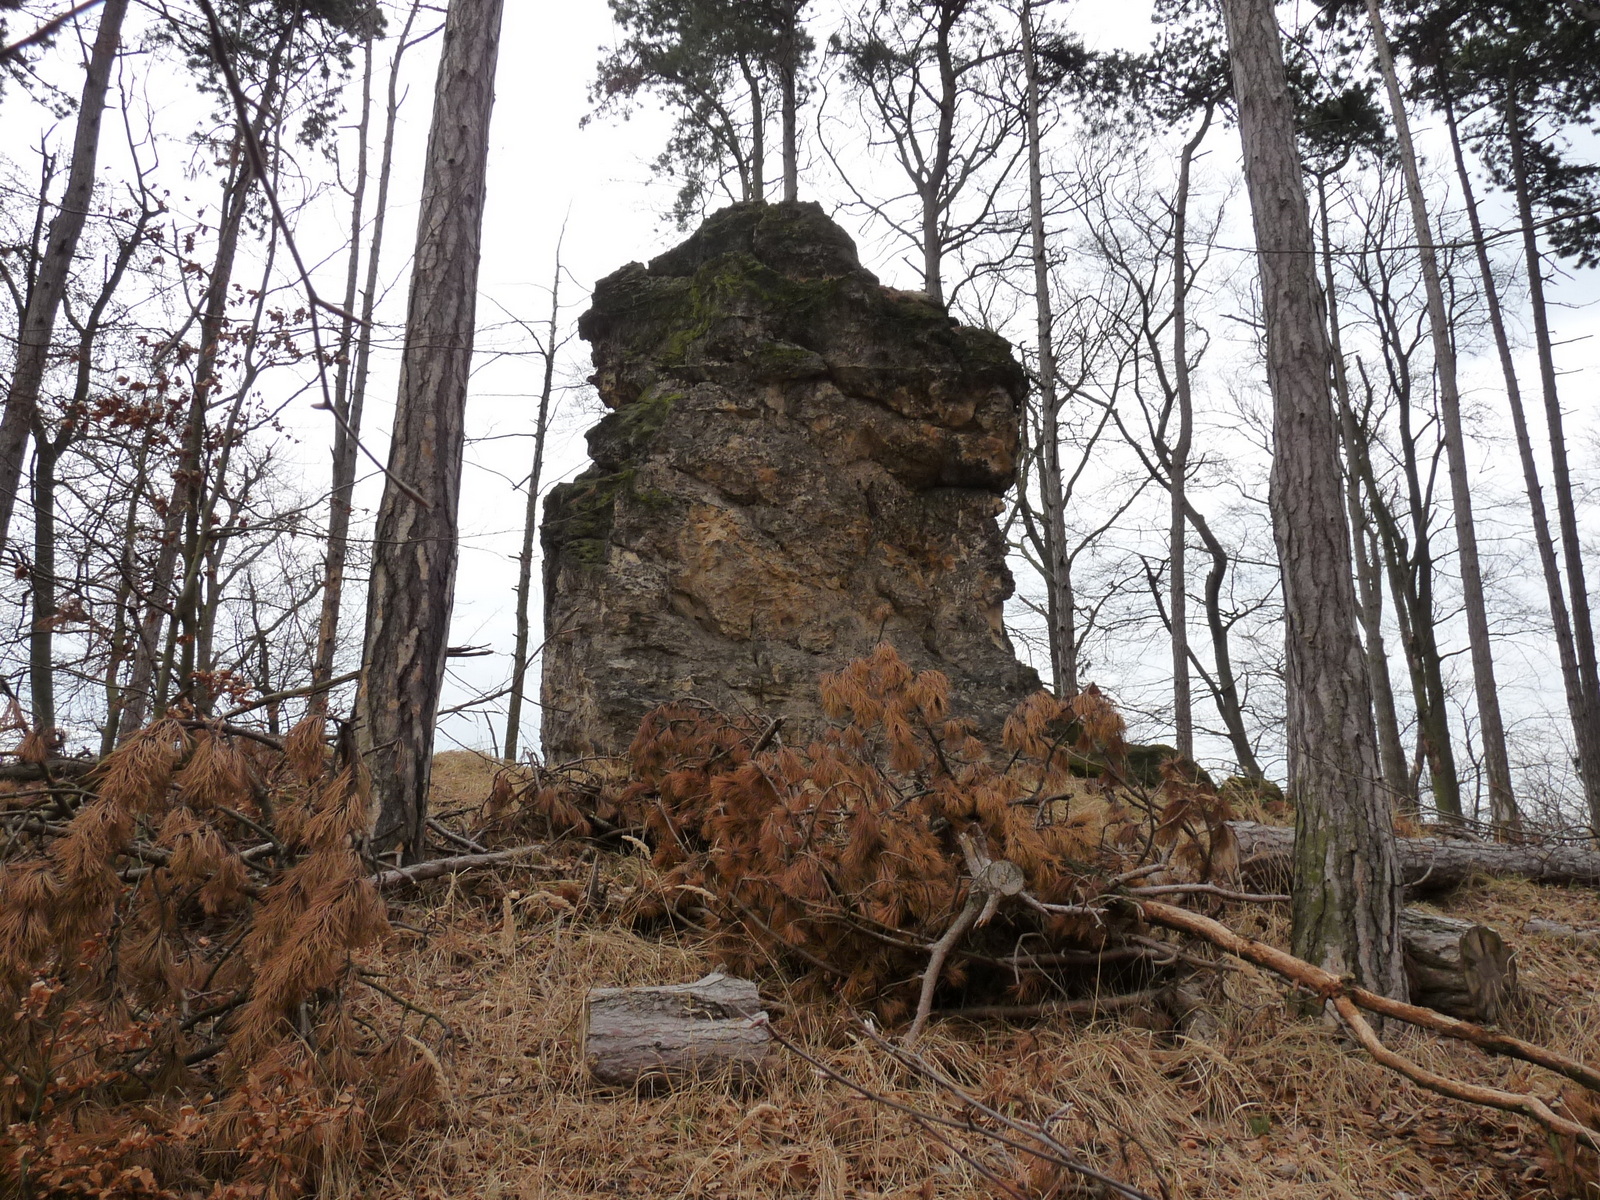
(798,464)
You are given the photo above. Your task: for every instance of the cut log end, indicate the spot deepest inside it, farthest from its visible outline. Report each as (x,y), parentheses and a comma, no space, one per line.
(653,1036)
(1457,967)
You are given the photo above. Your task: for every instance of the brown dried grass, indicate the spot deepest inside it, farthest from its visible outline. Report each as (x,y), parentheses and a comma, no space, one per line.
(1272,1108)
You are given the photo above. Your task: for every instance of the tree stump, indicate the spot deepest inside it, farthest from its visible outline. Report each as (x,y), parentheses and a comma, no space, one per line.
(652,1035)
(1458,967)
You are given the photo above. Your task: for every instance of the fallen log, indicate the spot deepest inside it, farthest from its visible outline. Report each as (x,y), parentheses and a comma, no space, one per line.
(658,1034)
(437,867)
(52,768)
(1426,864)
(1458,967)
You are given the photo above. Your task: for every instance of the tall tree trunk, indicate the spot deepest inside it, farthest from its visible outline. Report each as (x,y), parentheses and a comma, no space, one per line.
(414,550)
(1582,707)
(938,174)
(352,403)
(41,639)
(346,445)
(1057,566)
(789,101)
(1502,800)
(1347,895)
(1369,580)
(1178,457)
(757,189)
(61,246)
(1560,471)
(342,475)
(1410,572)
(530,526)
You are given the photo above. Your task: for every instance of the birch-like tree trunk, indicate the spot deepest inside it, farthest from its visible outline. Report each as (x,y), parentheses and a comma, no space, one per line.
(414,549)
(1178,455)
(1369,578)
(530,527)
(1347,898)
(351,401)
(1057,565)
(61,246)
(1497,764)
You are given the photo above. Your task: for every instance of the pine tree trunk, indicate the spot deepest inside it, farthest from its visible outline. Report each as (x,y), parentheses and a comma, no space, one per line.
(414,550)
(1583,709)
(1346,907)
(1561,473)
(61,246)
(1502,800)
(530,527)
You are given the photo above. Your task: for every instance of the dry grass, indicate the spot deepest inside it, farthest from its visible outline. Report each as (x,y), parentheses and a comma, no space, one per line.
(1272,1106)
(462,778)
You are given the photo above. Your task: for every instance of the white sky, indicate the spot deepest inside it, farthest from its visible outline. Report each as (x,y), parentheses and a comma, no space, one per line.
(546,172)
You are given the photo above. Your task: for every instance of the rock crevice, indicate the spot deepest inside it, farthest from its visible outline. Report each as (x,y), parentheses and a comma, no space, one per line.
(797,464)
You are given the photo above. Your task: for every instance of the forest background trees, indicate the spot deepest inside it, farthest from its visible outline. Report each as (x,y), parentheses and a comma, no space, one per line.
(199,406)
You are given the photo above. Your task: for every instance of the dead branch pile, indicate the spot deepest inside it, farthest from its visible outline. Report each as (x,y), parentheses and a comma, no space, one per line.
(848,862)
(184,1010)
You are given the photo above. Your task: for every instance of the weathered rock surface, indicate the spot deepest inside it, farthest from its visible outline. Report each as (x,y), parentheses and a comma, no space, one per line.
(798,464)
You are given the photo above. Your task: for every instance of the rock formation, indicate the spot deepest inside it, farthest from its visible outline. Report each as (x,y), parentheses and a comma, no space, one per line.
(798,464)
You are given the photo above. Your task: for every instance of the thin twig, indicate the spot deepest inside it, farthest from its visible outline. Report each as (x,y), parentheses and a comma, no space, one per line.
(46,31)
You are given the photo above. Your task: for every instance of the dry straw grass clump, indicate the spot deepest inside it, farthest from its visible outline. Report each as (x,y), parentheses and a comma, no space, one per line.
(177,962)
(1266,1106)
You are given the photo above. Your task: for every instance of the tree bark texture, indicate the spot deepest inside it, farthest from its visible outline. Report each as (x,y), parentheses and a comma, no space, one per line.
(658,1034)
(61,245)
(1346,885)
(1502,800)
(414,549)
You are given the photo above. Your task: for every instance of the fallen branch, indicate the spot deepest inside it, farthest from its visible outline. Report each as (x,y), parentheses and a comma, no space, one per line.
(992,881)
(437,867)
(1471,1093)
(1331,987)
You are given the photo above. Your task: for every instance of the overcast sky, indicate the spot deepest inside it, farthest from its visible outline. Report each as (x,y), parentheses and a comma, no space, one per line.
(547,173)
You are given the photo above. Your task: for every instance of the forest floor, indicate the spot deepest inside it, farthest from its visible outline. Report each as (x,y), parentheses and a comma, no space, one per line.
(1270,1106)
